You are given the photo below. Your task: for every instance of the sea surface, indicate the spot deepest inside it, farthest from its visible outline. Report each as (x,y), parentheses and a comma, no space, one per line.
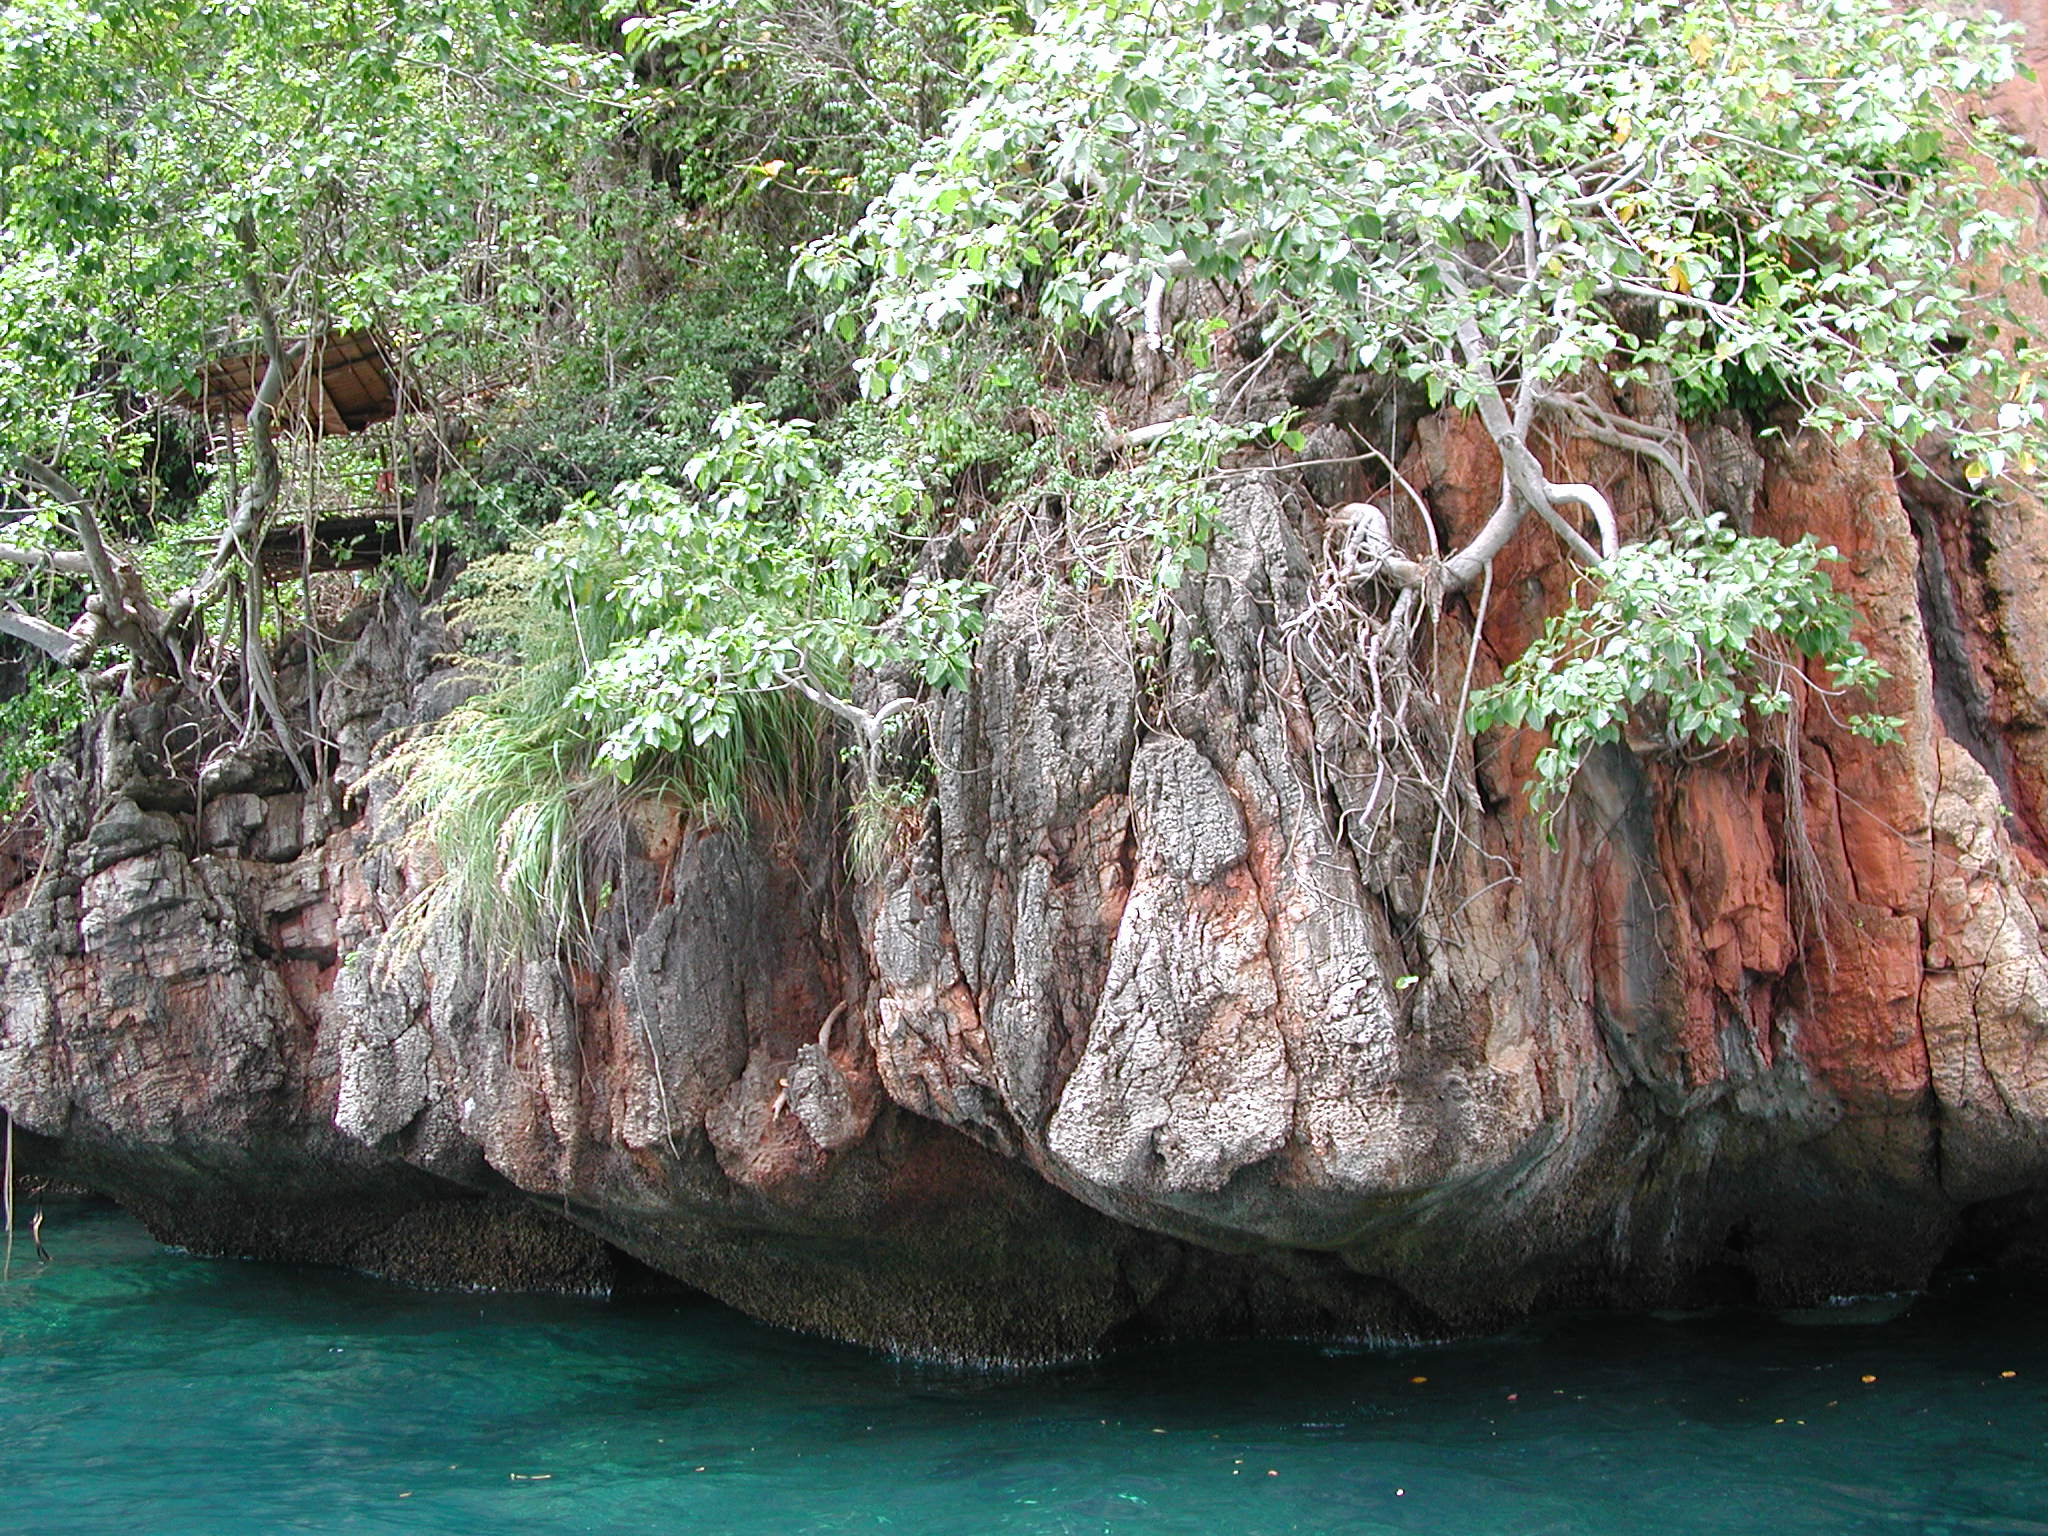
(150,1393)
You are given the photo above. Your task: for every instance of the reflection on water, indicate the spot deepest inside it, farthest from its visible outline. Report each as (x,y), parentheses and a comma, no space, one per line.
(149,1393)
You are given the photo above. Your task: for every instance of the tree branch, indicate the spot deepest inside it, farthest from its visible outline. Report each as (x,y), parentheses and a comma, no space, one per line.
(1369,549)
(1603,426)
(1524,474)
(65,562)
(869,724)
(259,494)
(1155,304)
(262,682)
(57,644)
(85,526)
(1595,503)
(120,606)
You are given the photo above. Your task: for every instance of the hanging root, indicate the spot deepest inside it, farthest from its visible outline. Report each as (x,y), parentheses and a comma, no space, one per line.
(1672,452)
(1805,880)
(1383,741)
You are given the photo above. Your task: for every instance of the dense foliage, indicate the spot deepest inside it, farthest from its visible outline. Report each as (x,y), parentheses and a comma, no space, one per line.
(752,325)
(769,569)
(423,169)
(1517,206)
(776,104)
(33,725)
(1601,187)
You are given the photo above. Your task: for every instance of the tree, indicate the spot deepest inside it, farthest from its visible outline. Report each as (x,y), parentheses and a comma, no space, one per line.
(175,175)
(1498,201)
(1510,204)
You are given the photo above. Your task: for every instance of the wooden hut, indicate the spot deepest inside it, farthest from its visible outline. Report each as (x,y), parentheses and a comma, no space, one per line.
(341,383)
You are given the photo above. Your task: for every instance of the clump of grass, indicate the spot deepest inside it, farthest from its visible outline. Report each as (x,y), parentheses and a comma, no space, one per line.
(530,830)
(884,823)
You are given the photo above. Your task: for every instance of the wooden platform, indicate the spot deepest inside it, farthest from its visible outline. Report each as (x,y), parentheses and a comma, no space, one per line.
(347,542)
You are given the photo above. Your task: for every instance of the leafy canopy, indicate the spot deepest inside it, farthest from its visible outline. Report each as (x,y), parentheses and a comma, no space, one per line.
(415,168)
(1504,200)
(1775,188)
(1512,204)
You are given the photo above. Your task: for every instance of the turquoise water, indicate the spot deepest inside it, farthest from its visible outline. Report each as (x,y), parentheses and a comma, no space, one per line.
(150,1393)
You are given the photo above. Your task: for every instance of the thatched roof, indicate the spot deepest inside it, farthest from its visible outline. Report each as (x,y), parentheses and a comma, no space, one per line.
(344,383)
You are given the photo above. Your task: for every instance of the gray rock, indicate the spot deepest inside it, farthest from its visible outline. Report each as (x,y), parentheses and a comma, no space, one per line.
(1166,1021)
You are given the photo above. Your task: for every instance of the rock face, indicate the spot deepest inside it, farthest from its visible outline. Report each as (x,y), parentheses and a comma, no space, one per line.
(1202,995)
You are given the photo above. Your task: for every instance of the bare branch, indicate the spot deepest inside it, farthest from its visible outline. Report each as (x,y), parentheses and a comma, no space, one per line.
(1144,437)
(1155,303)
(85,526)
(1602,426)
(66,562)
(57,644)
(120,606)
(259,494)
(51,481)
(868,724)
(1518,463)
(262,682)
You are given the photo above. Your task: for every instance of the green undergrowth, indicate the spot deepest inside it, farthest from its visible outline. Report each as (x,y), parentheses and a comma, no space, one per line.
(658,639)
(34,724)
(639,389)
(683,633)
(526,817)
(1695,635)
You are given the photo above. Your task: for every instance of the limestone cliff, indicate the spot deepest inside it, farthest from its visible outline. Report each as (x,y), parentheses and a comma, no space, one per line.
(1198,998)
